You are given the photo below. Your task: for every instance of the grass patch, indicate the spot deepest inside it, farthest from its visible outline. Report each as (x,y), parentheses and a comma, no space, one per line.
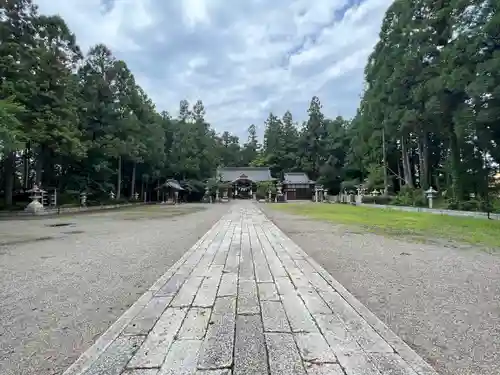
(396,223)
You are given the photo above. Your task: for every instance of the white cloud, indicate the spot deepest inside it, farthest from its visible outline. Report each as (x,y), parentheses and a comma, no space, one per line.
(243,59)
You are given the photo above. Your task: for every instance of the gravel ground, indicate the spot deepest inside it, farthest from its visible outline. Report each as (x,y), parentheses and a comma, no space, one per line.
(444,302)
(61,287)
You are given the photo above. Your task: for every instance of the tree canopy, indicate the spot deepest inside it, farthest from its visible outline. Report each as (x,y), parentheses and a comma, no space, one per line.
(428,116)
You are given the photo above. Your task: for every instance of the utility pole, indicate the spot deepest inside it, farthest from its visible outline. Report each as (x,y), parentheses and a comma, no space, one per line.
(386,182)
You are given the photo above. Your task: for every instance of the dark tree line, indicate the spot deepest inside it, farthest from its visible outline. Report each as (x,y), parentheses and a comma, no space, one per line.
(429,114)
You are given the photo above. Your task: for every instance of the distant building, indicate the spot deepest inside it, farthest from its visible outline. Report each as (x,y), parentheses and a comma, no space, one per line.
(243,181)
(297,185)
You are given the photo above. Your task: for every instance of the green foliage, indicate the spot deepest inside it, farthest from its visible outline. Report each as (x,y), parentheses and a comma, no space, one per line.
(428,115)
(408,196)
(263,189)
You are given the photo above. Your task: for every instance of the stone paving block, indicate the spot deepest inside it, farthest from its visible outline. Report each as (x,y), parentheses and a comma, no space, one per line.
(232,262)
(187,292)
(195,325)
(284,357)
(305,266)
(323,369)
(314,302)
(318,282)
(358,364)
(173,285)
(248,302)
(147,318)
(274,317)
(391,364)
(154,349)
(182,358)
(228,285)
(297,313)
(300,280)
(217,349)
(214,372)
(250,356)
(262,272)
(268,292)
(285,286)
(365,335)
(246,270)
(141,371)
(314,348)
(207,292)
(115,358)
(335,332)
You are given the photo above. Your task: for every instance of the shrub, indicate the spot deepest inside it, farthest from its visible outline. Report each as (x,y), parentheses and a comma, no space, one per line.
(410,197)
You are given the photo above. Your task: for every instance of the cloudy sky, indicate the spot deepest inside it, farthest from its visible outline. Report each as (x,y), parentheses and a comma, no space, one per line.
(243,58)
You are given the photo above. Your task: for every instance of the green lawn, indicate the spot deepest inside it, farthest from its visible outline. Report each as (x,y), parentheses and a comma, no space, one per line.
(420,225)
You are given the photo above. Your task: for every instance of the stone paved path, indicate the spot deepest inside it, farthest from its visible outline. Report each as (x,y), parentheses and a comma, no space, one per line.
(246,300)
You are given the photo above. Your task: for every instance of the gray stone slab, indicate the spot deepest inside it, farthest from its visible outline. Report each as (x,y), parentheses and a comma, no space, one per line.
(299,279)
(365,335)
(248,302)
(274,317)
(173,285)
(195,325)
(187,292)
(154,349)
(148,317)
(305,266)
(208,291)
(285,286)
(337,335)
(391,364)
(214,372)
(298,315)
(358,364)
(217,349)
(284,357)
(232,262)
(246,270)
(182,358)
(314,302)
(228,285)
(250,356)
(318,282)
(323,369)
(141,371)
(116,356)
(314,348)
(268,292)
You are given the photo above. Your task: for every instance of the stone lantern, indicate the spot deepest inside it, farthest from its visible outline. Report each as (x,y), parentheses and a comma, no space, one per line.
(111,195)
(430,194)
(35,206)
(136,196)
(279,191)
(375,193)
(269,194)
(83,198)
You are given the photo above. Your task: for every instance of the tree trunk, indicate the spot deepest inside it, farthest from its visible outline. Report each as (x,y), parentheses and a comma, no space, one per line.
(384,156)
(142,190)
(39,166)
(119,182)
(10,166)
(423,159)
(401,182)
(406,163)
(158,190)
(455,165)
(132,188)
(26,167)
